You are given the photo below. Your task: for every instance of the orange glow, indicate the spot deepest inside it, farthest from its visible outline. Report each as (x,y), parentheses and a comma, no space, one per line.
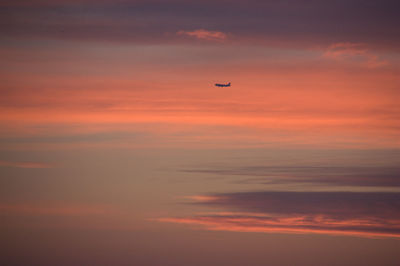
(116,140)
(266,103)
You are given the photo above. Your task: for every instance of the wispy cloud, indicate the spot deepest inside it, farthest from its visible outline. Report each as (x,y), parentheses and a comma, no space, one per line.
(293,224)
(54,209)
(202,34)
(25,164)
(355,52)
(344,213)
(364,176)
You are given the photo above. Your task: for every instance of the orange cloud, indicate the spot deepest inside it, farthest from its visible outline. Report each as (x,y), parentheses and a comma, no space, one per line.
(204,35)
(347,213)
(293,224)
(202,198)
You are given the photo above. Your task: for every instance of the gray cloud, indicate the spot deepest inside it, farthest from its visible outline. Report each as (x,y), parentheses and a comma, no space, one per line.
(341,176)
(334,204)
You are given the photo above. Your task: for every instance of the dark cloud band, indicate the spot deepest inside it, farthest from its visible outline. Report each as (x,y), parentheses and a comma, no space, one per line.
(341,176)
(312,22)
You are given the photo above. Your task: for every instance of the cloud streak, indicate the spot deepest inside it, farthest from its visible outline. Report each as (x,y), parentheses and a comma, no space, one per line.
(364,176)
(54,209)
(354,52)
(33,165)
(363,214)
(202,34)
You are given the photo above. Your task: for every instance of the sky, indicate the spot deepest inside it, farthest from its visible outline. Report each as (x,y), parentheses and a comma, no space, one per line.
(116,148)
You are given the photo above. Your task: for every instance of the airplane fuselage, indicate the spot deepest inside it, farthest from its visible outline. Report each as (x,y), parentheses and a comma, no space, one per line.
(223,85)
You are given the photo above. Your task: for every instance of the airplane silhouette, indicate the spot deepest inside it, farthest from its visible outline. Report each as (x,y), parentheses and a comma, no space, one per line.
(223,85)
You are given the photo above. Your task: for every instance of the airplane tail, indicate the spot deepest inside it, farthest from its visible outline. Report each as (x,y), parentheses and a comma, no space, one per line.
(229,84)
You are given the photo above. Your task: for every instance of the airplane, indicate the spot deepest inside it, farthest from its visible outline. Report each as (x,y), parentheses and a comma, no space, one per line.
(223,85)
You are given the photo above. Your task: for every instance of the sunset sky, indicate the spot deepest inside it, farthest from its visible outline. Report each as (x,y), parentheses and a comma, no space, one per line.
(116,148)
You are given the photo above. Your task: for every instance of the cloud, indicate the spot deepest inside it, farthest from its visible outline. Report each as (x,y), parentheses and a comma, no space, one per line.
(355,52)
(202,198)
(25,164)
(364,214)
(293,224)
(290,22)
(364,176)
(54,209)
(204,35)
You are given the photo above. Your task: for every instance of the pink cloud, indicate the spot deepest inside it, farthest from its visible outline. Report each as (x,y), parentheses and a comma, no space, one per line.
(204,34)
(358,52)
(316,224)
(202,198)
(364,214)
